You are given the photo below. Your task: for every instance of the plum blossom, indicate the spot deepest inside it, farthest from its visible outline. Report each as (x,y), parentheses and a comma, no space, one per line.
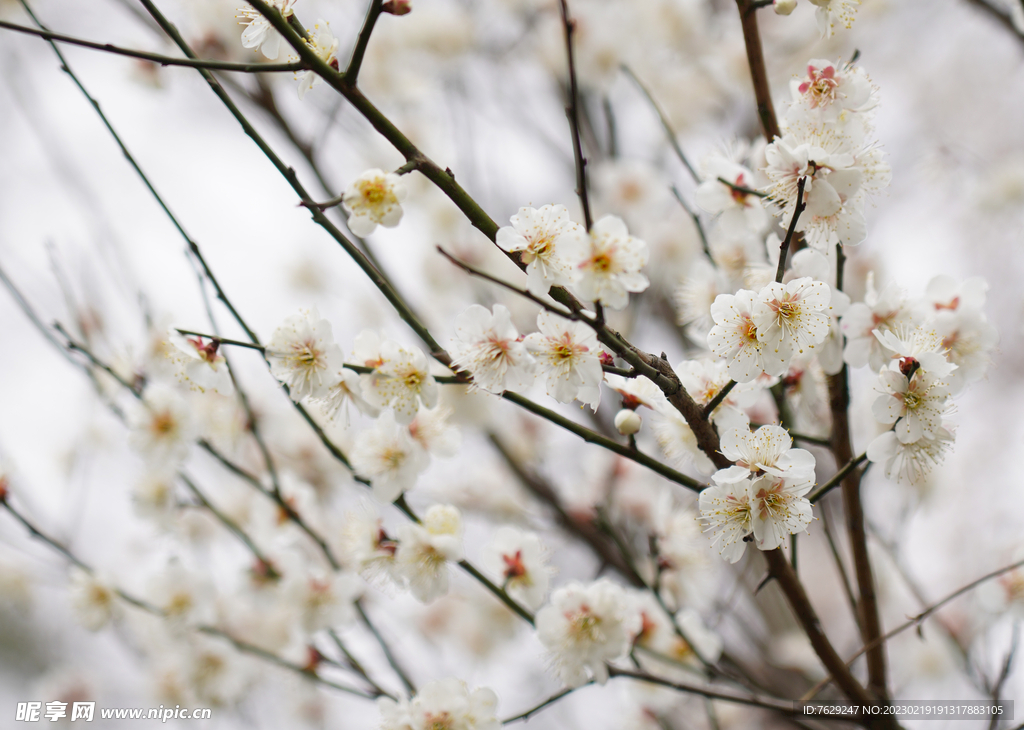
(162,425)
(792,316)
(368,547)
(374,198)
(909,463)
(424,551)
(768,449)
(658,632)
(432,430)
(344,391)
(831,91)
(779,508)
(567,356)
(259,33)
(829,12)
(727,508)
(885,311)
(492,350)
(444,705)
(585,626)
(549,243)
(401,382)
(734,337)
(915,403)
(911,349)
(737,210)
(321,599)
(303,355)
(323,43)
(93,599)
(610,267)
(201,366)
(388,457)
(519,558)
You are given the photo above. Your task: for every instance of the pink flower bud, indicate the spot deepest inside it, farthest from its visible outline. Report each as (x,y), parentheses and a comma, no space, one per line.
(397,7)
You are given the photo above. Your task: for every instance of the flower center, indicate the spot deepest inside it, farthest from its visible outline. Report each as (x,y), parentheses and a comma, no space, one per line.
(374,192)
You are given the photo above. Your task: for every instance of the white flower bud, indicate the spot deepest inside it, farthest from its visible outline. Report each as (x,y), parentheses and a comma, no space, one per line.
(628,422)
(784,7)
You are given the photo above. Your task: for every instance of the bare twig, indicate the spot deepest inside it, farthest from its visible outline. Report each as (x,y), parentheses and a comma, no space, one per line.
(784,248)
(758,73)
(720,396)
(837,478)
(572,111)
(156,57)
(665,124)
(359,52)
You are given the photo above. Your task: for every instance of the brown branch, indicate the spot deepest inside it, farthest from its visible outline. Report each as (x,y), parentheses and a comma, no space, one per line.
(916,621)
(793,589)
(758,73)
(155,57)
(580,528)
(572,111)
(1003,18)
(784,248)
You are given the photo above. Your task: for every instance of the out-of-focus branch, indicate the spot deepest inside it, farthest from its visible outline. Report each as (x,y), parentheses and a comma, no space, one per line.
(1003,17)
(837,478)
(572,111)
(156,57)
(582,529)
(665,124)
(917,621)
(242,646)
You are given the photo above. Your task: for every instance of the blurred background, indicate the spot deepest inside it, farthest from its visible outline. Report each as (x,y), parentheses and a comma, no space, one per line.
(478,86)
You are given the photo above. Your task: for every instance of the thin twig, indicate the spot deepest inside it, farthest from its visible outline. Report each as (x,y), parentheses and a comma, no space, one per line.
(696,222)
(666,125)
(758,72)
(576,316)
(572,111)
(358,53)
(915,621)
(720,396)
(388,654)
(837,478)
(156,57)
(741,189)
(784,248)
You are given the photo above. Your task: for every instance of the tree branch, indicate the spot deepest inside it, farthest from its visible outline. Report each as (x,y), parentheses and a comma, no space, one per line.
(156,57)
(758,73)
(572,111)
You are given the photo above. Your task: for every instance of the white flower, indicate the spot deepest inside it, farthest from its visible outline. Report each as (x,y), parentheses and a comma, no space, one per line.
(93,599)
(681,557)
(886,311)
(431,430)
(401,382)
(519,558)
(911,348)
(162,427)
(830,90)
(388,457)
(303,355)
(734,337)
(611,265)
(567,356)
(259,33)
(424,551)
(321,599)
(550,245)
(909,462)
(739,211)
(779,509)
(492,350)
(346,389)
(323,43)
(829,12)
(919,403)
(374,198)
(658,633)
(181,595)
(153,497)
(199,365)
(693,298)
(968,339)
(783,7)
(444,705)
(768,449)
(637,392)
(585,626)
(793,316)
(704,379)
(728,509)
(676,439)
(367,547)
